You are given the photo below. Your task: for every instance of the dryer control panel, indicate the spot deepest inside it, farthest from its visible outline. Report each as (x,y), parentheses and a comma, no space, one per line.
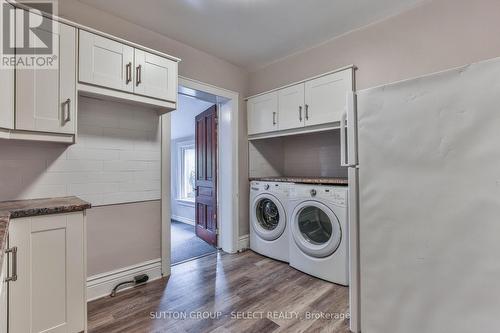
(336,195)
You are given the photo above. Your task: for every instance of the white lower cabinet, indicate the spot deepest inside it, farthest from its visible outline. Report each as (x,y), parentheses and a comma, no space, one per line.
(49,293)
(3,297)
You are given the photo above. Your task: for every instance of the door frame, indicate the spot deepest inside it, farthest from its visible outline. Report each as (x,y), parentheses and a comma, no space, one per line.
(228,163)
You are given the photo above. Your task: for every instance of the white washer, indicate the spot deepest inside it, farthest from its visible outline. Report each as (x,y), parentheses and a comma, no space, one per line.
(317,217)
(268,220)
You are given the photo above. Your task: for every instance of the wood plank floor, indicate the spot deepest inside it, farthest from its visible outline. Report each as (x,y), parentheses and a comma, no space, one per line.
(242,293)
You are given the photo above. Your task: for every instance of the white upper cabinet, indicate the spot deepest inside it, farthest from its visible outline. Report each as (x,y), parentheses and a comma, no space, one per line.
(105,62)
(155,76)
(326,97)
(314,104)
(263,113)
(110,64)
(291,107)
(6,88)
(46,98)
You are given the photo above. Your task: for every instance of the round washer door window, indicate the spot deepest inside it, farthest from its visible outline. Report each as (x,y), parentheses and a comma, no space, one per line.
(316,229)
(268,219)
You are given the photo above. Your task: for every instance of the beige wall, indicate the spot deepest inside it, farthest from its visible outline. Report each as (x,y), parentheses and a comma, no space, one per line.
(437,35)
(122,235)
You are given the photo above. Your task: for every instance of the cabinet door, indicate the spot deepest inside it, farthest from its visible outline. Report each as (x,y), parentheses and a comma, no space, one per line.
(3,296)
(49,294)
(6,87)
(104,62)
(326,97)
(155,76)
(291,107)
(46,98)
(263,113)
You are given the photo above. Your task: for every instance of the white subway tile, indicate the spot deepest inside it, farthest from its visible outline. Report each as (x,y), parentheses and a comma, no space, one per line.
(78,153)
(116,158)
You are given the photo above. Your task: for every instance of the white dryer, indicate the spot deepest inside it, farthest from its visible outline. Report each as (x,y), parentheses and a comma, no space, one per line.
(268,220)
(317,217)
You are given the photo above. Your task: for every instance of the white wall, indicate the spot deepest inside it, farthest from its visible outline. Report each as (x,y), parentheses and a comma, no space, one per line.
(116,159)
(183,119)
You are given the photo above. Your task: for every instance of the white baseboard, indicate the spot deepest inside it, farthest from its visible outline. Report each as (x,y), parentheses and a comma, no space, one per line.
(243,243)
(183,219)
(100,285)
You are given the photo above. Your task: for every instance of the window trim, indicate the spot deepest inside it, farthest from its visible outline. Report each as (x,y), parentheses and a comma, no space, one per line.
(181,146)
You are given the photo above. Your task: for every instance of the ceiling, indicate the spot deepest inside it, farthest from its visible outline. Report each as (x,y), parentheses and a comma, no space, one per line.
(252,33)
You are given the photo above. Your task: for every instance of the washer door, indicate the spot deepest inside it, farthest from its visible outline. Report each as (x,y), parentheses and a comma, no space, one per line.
(316,229)
(268,217)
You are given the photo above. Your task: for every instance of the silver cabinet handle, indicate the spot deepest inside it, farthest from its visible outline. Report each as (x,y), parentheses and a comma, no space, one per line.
(13,277)
(274,118)
(66,110)
(128,70)
(300,113)
(138,74)
(307,111)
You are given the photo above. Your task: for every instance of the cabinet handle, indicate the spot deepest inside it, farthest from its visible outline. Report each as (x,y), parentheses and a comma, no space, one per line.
(138,74)
(274,118)
(67,110)
(307,111)
(128,70)
(300,113)
(13,277)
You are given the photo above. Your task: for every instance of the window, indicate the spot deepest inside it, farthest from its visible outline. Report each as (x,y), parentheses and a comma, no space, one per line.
(187,170)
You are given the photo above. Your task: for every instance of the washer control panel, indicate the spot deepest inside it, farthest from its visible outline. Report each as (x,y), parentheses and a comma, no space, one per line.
(270,187)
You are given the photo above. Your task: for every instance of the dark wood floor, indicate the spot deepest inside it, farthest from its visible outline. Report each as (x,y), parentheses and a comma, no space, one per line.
(268,296)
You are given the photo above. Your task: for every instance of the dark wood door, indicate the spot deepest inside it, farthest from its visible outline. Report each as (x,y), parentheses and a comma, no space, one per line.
(206,176)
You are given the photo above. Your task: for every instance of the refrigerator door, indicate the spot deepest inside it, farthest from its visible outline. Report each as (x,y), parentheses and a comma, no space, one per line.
(354,289)
(429,187)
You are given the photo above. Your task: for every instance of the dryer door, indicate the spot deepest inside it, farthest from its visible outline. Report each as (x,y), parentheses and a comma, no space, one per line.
(268,217)
(316,229)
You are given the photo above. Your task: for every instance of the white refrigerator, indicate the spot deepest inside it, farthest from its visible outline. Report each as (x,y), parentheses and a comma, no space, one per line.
(424,169)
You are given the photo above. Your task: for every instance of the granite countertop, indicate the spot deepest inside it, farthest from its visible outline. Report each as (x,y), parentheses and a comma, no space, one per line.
(26,208)
(304,180)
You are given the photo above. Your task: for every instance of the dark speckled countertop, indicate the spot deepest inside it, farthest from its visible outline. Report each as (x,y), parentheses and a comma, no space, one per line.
(26,208)
(305,180)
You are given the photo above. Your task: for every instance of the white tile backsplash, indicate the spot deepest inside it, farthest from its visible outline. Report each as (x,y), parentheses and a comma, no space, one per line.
(117,158)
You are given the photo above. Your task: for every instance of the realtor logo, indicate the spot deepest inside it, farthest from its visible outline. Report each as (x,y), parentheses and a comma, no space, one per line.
(29,36)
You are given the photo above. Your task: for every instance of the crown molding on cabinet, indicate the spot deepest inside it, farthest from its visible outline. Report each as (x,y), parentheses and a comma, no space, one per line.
(303,81)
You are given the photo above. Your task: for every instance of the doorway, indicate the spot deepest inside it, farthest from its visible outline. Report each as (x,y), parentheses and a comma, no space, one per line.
(229,184)
(194,178)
